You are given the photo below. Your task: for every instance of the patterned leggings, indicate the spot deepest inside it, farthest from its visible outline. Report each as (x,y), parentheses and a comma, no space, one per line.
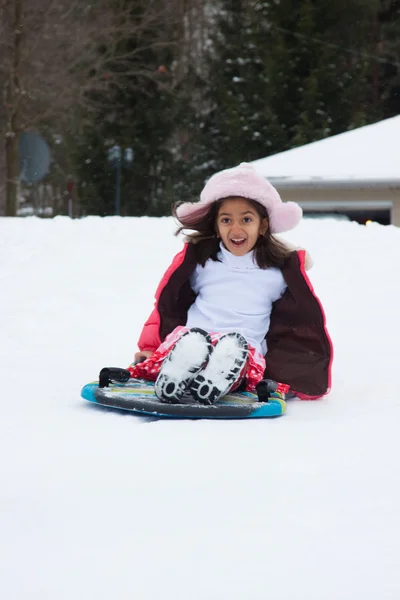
(149,369)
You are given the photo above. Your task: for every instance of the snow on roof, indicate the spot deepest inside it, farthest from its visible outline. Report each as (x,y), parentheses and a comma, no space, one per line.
(367,153)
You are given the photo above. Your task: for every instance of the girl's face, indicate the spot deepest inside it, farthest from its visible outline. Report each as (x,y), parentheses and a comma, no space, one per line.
(239,225)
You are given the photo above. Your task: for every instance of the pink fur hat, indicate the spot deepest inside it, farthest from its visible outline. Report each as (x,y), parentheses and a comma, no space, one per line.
(243,181)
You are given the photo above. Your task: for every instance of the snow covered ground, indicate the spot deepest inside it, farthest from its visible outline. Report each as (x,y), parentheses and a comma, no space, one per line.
(99,504)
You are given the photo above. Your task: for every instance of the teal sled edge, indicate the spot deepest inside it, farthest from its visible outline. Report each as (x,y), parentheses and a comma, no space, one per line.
(88,392)
(271,409)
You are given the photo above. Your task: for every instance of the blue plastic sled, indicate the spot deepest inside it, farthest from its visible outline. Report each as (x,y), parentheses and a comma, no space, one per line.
(137,396)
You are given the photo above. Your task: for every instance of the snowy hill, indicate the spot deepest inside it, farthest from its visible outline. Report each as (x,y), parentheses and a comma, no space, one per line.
(98,504)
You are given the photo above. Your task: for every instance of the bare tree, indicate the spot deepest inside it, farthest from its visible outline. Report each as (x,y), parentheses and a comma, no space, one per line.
(57,56)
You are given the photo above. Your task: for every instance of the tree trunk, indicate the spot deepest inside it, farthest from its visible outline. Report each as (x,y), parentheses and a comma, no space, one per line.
(13,105)
(12,172)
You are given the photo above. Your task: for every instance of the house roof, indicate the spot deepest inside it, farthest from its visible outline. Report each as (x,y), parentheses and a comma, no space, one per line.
(367,154)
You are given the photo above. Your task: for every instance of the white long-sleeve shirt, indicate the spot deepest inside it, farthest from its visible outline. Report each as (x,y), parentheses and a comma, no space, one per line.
(235,295)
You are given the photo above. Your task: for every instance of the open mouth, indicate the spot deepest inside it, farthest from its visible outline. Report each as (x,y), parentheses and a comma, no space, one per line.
(238,241)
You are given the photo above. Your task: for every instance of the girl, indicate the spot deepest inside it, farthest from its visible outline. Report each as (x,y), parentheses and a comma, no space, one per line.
(236,306)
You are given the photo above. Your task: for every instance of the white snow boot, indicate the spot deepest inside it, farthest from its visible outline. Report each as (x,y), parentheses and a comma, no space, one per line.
(224,369)
(182,364)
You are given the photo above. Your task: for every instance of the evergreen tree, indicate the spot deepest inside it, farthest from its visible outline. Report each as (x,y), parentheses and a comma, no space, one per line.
(240,123)
(280,73)
(143,113)
(386,45)
(285,73)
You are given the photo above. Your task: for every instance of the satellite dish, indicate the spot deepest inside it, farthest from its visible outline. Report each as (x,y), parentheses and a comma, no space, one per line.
(34,157)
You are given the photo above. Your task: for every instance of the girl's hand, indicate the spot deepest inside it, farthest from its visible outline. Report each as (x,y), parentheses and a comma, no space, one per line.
(141,356)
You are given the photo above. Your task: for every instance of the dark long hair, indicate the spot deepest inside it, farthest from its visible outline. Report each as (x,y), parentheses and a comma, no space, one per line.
(268,250)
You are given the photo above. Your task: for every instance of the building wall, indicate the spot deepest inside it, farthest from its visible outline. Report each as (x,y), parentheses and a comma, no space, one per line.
(329,199)
(396,212)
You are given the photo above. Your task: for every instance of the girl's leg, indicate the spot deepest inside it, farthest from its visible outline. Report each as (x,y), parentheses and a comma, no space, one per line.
(150,368)
(225,368)
(255,374)
(254,370)
(181,365)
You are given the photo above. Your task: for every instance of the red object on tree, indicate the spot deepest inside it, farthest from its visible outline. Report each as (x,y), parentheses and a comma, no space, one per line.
(70,185)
